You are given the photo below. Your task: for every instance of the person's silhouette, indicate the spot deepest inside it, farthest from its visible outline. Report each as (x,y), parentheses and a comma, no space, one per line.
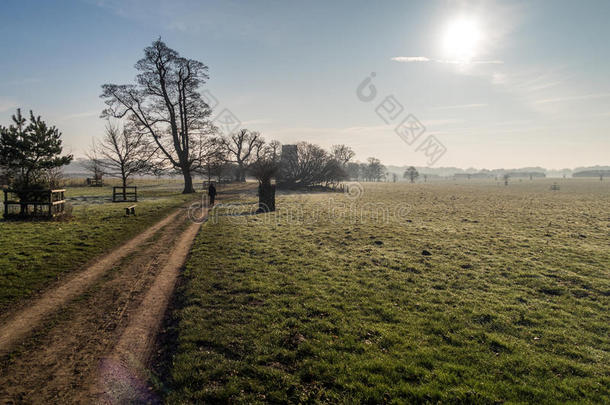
(212,194)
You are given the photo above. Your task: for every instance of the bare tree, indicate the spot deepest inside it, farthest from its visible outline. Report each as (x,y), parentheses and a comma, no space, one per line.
(337,166)
(411,173)
(54,177)
(353,170)
(342,154)
(241,148)
(122,153)
(275,148)
(374,170)
(166,104)
(264,167)
(93,164)
(312,165)
(334,173)
(215,159)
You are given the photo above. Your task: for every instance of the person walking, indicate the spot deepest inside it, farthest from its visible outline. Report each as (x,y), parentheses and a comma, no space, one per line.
(212,193)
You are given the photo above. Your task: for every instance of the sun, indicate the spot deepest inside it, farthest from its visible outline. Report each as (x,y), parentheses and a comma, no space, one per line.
(461,40)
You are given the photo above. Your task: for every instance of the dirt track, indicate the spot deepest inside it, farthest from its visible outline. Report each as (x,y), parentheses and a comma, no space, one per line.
(89,339)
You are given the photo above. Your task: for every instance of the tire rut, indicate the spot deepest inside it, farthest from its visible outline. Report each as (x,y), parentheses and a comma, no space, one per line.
(18,324)
(61,360)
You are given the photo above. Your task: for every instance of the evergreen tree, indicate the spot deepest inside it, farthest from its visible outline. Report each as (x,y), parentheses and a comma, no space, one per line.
(28,151)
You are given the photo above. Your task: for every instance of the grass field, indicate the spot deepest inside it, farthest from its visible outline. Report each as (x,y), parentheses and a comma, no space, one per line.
(33,254)
(468,292)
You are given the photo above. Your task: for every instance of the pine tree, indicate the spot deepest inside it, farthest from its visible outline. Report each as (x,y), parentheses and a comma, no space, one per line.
(28,150)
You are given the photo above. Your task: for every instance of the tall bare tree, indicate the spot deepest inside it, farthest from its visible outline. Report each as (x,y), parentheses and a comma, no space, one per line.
(241,147)
(166,104)
(123,152)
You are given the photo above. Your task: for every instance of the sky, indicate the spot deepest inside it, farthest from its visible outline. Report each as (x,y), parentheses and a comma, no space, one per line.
(483,84)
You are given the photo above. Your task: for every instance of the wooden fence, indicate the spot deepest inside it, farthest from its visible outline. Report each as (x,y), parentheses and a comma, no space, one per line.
(38,203)
(125,194)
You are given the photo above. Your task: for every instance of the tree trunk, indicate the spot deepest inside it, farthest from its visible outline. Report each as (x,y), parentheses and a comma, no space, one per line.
(240,173)
(188,183)
(266,197)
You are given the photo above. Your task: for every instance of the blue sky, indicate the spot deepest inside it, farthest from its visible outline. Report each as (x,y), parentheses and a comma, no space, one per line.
(529,87)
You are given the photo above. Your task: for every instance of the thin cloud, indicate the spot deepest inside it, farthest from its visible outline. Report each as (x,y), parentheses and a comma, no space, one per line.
(572,98)
(460,106)
(420,59)
(534,80)
(407,59)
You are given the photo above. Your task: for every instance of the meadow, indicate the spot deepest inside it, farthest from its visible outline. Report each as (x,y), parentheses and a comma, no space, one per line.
(34,254)
(445,291)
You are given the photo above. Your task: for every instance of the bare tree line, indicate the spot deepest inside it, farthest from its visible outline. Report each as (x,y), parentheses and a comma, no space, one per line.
(166,129)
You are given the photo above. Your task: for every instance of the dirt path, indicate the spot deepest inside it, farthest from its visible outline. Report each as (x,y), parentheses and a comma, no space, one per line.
(27,319)
(127,363)
(90,338)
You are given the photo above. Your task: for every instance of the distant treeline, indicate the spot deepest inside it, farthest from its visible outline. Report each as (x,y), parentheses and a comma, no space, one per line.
(490,175)
(592,173)
(524,172)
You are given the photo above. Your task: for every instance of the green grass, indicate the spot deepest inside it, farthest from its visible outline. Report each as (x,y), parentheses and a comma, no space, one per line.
(33,254)
(318,304)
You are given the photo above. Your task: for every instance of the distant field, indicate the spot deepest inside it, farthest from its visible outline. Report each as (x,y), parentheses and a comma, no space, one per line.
(33,254)
(454,291)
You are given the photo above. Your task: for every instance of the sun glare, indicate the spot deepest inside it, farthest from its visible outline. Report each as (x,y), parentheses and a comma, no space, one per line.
(461,40)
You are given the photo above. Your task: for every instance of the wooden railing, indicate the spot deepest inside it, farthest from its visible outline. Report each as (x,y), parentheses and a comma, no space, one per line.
(121,194)
(46,203)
